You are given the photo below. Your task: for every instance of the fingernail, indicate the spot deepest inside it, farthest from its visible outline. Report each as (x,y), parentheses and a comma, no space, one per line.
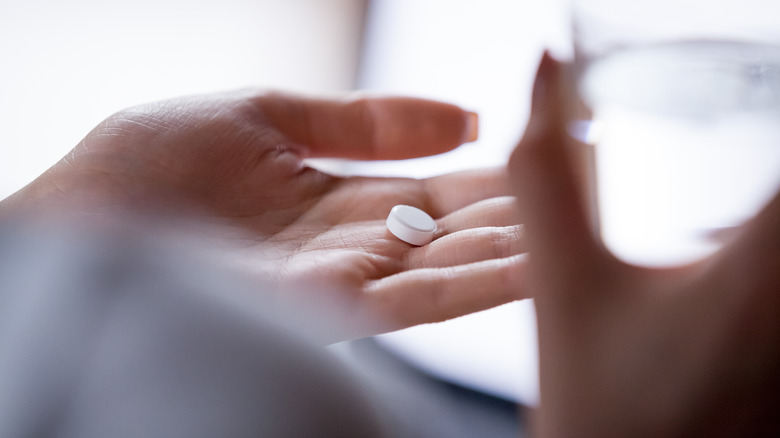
(472,127)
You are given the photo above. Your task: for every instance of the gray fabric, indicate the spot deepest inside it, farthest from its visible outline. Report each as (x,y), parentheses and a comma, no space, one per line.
(104,336)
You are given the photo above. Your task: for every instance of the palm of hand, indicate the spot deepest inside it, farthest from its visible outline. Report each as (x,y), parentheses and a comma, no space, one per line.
(231,161)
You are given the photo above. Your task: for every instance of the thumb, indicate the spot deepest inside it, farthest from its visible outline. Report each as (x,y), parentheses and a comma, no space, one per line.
(564,250)
(370,128)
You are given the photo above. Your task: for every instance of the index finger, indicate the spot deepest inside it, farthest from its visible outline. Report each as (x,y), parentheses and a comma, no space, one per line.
(369,128)
(450,192)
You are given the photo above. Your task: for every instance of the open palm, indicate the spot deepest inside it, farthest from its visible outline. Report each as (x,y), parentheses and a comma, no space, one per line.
(235,161)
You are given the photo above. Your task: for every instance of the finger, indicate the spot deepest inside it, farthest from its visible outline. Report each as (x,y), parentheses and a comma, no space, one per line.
(492,212)
(437,294)
(369,128)
(451,192)
(469,246)
(761,234)
(438,196)
(562,246)
(749,262)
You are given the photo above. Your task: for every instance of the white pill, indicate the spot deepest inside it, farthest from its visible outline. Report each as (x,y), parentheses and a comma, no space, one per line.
(411,225)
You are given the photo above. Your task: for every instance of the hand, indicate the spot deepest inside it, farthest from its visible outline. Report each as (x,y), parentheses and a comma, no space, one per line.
(632,352)
(235,161)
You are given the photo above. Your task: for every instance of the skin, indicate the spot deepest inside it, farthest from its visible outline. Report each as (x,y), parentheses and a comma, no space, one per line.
(624,351)
(632,352)
(233,163)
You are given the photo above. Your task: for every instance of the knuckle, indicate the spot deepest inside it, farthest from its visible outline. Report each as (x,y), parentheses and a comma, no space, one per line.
(437,296)
(504,241)
(364,112)
(500,242)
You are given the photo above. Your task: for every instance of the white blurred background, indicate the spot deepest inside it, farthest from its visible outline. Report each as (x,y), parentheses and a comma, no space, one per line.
(66,65)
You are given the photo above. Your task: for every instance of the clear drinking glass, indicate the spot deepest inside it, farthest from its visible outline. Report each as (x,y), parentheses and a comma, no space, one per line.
(684,98)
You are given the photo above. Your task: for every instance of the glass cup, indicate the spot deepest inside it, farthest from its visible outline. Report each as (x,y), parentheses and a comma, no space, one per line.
(684,105)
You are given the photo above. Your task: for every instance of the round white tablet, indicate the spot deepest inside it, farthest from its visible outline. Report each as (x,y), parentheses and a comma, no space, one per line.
(411,225)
